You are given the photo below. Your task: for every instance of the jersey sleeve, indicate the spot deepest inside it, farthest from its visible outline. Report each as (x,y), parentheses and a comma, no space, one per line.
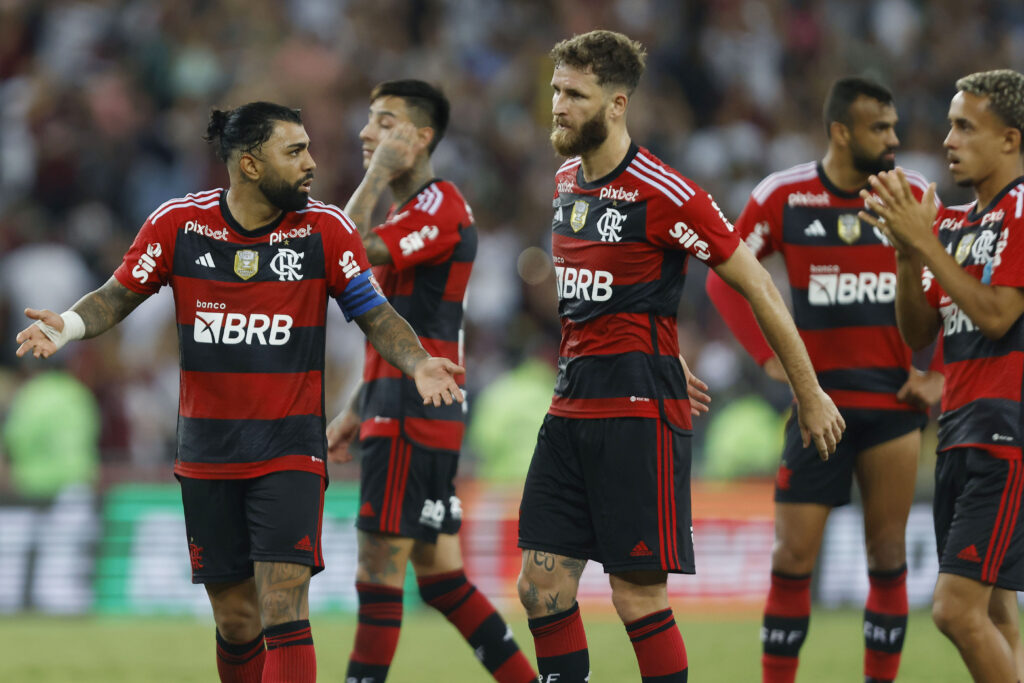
(147,264)
(759,225)
(349,277)
(698,227)
(1007,265)
(426,232)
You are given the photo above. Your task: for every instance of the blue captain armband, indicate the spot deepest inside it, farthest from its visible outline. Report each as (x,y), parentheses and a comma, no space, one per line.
(361,295)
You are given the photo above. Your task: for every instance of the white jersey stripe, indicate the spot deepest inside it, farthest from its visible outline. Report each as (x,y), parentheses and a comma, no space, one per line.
(570,164)
(670,177)
(183,205)
(332,210)
(799,173)
(191,197)
(674,196)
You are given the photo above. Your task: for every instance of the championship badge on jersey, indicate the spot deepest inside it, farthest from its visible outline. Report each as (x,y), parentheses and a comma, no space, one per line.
(578,218)
(247,262)
(963,249)
(849,228)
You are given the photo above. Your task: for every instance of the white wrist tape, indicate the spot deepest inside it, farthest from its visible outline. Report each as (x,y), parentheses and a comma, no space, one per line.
(74,328)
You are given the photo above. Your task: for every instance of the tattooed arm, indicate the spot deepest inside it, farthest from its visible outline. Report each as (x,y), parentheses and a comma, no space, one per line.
(395,154)
(396,342)
(99,310)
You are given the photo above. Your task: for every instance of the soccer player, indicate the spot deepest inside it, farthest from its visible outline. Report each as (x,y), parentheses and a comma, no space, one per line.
(422,256)
(961,273)
(609,479)
(253,268)
(843,280)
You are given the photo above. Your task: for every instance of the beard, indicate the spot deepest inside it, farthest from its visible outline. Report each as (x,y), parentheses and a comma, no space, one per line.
(590,136)
(871,165)
(282,195)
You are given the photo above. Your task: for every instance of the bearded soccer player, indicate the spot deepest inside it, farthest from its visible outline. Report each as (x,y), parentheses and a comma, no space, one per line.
(609,479)
(961,274)
(422,256)
(843,280)
(253,268)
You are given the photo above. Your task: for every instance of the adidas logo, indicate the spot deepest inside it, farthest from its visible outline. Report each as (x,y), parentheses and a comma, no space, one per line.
(205,260)
(366,510)
(640,550)
(304,544)
(969,554)
(815,229)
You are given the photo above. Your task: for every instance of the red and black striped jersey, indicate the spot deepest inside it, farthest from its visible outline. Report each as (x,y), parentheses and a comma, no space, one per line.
(842,277)
(620,246)
(432,241)
(250,308)
(984,388)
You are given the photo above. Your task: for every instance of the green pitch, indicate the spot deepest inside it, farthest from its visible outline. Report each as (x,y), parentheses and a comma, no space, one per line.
(721,649)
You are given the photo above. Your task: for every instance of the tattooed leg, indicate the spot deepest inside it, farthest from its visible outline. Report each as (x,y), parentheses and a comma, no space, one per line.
(548,582)
(383,559)
(283,592)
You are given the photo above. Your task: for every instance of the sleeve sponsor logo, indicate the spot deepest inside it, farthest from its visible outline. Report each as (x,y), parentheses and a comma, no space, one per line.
(206,231)
(415,241)
(349,265)
(581,283)
(758,237)
(294,233)
(689,238)
(829,287)
(215,327)
(714,205)
(147,262)
(287,264)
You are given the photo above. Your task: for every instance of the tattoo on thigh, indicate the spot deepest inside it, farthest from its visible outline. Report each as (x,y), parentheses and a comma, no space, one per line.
(531,598)
(574,567)
(544,560)
(282,588)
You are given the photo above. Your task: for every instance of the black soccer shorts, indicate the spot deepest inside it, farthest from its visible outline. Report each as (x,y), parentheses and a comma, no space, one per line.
(979,530)
(613,490)
(803,477)
(408,490)
(231,523)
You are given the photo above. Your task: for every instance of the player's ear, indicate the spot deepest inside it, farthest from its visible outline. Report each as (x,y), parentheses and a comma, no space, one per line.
(617,105)
(425,136)
(1012,141)
(839,132)
(249,166)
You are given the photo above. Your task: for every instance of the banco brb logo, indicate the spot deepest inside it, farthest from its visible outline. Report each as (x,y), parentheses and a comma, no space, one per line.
(238,328)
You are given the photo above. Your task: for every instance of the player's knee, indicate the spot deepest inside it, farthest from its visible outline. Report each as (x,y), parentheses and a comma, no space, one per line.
(793,558)
(950,618)
(886,554)
(238,626)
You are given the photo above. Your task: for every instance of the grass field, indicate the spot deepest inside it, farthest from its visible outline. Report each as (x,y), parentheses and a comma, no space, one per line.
(721,649)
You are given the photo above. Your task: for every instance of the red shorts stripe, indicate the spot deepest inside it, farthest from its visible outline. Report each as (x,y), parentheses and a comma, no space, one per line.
(1006,521)
(385,513)
(673,517)
(406,449)
(216,395)
(662,541)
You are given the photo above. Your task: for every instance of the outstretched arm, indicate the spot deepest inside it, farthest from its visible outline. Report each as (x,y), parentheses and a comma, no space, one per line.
(396,342)
(819,419)
(97,312)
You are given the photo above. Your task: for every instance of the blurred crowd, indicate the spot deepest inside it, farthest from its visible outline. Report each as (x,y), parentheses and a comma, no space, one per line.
(103,105)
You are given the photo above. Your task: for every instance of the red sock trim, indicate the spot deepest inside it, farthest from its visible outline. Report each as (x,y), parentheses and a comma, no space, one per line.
(658,645)
(789,596)
(888,592)
(560,636)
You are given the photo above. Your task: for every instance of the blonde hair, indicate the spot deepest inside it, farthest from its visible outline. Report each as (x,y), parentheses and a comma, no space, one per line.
(1004,89)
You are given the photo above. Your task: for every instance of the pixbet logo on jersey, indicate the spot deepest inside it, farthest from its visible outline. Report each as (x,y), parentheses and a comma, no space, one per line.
(618,193)
(829,287)
(219,327)
(204,230)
